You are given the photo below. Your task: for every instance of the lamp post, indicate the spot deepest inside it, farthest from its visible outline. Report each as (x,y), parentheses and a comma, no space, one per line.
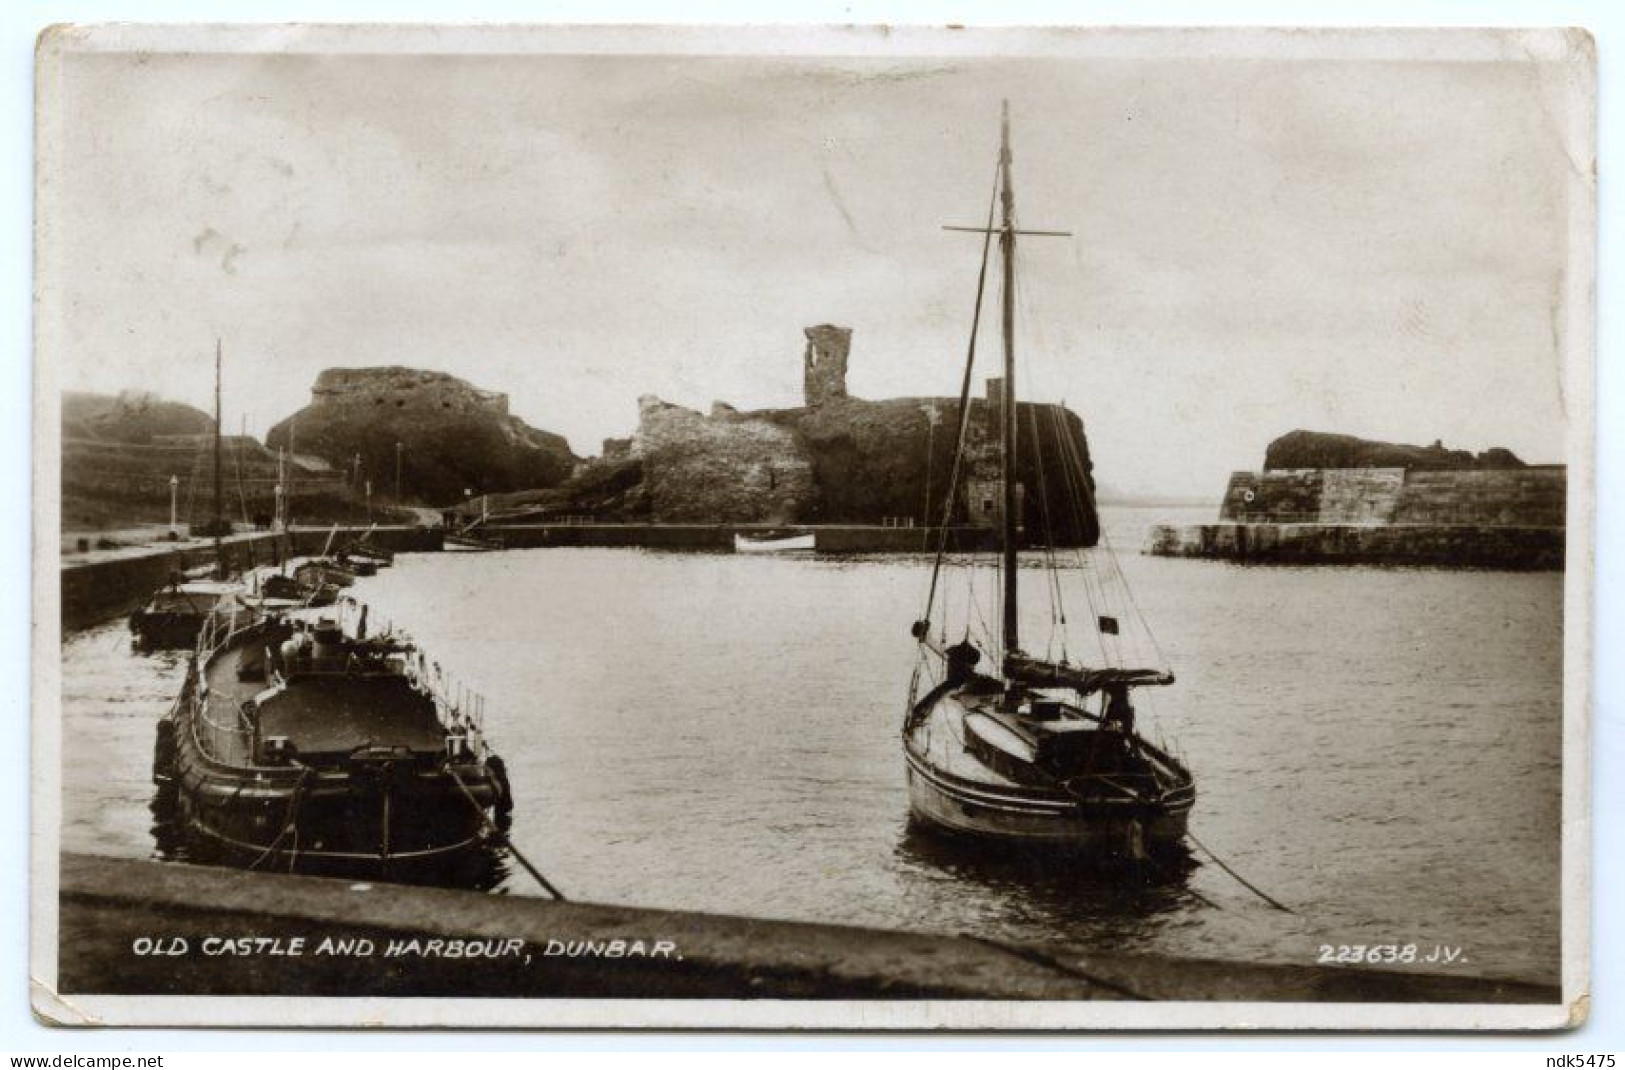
(174,492)
(398,447)
(369,501)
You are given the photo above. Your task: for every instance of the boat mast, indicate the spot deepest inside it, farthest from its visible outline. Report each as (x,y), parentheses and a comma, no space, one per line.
(287,488)
(1007,396)
(219,547)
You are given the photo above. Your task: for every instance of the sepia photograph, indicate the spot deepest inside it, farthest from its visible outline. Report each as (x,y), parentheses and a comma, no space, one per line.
(800,527)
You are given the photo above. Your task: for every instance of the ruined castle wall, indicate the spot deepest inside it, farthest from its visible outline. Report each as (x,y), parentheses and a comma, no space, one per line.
(446,435)
(404,388)
(723,468)
(824,364)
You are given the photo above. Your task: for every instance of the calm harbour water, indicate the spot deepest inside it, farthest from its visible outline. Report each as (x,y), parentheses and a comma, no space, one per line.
(1379,748)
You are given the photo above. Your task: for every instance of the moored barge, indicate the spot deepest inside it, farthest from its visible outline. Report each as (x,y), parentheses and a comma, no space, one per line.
(295,746)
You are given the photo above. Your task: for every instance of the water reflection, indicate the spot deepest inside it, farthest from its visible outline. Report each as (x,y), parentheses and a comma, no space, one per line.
(1057,883)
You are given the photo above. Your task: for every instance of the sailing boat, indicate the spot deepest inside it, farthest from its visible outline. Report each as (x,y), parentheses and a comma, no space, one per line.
(1031,750)
(176,613)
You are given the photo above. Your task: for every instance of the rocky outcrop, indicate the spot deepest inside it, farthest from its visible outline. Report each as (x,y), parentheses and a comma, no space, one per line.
(453,437)
(880,461)
(1317,449)
(1531,496)
(1403,505)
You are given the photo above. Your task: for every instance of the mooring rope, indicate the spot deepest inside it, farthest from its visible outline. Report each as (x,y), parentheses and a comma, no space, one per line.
(1243,881)
(507,841)
(290,822)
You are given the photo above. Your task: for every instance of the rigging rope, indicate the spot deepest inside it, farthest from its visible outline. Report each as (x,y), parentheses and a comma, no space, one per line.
(964,400)
(1074,498)
(1058,619)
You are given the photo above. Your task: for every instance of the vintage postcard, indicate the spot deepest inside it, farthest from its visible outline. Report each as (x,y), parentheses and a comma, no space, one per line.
(796,527)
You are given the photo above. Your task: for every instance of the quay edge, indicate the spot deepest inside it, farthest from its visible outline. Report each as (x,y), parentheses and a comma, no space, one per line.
(107,904)
(105,585)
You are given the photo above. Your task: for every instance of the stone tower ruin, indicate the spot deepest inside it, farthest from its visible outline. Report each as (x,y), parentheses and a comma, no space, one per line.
(824,363)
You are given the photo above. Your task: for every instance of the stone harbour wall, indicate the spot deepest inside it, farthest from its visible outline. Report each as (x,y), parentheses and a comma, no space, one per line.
(1518,497)
(1511,518)
(1511,497)
(1435,545)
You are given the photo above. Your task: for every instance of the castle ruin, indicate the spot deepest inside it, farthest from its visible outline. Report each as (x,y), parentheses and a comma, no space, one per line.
(824,364)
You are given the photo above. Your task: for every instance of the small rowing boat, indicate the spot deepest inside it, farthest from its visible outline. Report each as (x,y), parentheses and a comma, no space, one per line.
(775,542)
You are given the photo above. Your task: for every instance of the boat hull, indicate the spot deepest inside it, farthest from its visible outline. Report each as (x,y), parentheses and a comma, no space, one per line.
(469,544)
(398,811)
(165,630)
(1122,797)
(1053,821)
(344,827)
(802,543)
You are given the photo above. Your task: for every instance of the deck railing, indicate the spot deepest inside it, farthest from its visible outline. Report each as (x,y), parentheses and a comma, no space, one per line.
(223,736)
(460,708)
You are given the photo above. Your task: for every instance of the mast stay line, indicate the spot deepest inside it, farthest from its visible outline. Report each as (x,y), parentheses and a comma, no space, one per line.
(1023,233)
(922,627)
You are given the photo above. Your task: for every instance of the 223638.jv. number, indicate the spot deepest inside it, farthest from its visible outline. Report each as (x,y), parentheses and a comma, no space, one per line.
(1390,955)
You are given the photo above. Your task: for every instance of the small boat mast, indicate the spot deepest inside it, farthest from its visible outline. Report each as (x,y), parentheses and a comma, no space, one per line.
(1007,396)
(218,522)
(1009,528)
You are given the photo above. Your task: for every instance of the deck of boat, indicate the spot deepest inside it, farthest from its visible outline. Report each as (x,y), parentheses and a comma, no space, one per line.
(338,713)
(225,689)
(324,713)
(940,741)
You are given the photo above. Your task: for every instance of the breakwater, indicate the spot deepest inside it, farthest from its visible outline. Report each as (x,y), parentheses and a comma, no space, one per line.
(1496,518)
(132,926)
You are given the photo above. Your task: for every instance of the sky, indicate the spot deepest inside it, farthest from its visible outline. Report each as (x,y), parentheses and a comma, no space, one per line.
(1259,244)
